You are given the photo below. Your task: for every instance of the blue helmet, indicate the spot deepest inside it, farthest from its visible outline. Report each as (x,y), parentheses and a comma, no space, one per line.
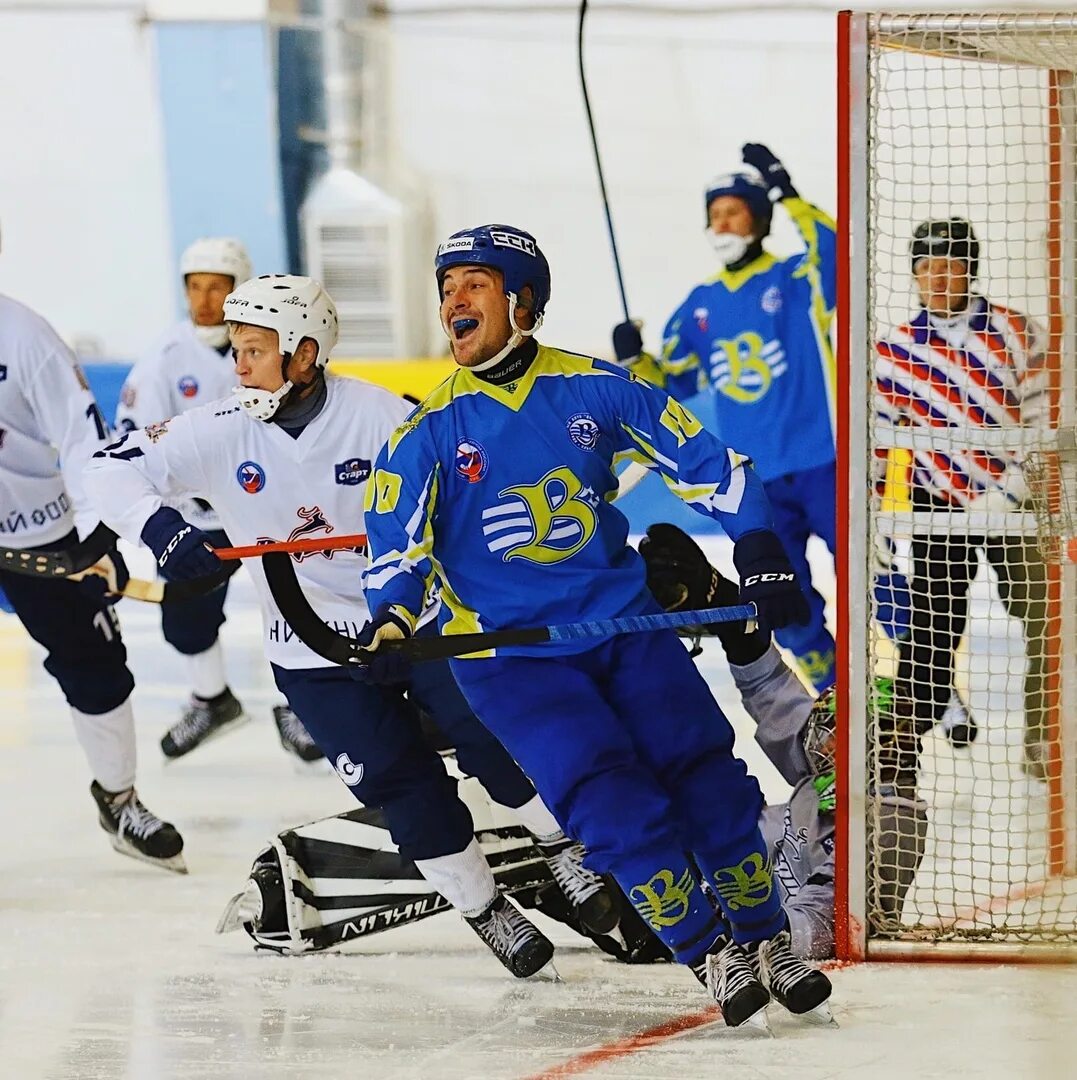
(744,186)
(500,247)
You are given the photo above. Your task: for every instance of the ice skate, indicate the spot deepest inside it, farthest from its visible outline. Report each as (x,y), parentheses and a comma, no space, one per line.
(513,938)
(585,890)
(294,737)
(203,720)
(137,831)
(794,984)
(730,979)
(958,724)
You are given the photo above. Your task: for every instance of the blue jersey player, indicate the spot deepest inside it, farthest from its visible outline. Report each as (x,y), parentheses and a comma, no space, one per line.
(499,489)
(757,335)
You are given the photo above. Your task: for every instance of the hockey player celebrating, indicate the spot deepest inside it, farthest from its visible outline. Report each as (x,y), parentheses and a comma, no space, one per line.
(960,364)
(757,335)
(497,487)
(190,366)
(290,456)
(46,408)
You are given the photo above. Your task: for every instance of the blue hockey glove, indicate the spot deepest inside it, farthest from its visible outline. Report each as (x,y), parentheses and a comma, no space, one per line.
(627,342)
(384,666)
(767,579)
(182,551)
(106,578)
(774,173)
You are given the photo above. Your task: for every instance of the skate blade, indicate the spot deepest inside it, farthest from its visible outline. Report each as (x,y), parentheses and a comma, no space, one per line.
(758,1024)
(224,729)
(820,1016)
(177,864)
(547,973)
(244,907)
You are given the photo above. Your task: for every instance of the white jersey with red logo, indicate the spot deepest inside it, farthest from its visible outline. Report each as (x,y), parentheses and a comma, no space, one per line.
(49,426)
(181,372)
(265,485)
(984,368)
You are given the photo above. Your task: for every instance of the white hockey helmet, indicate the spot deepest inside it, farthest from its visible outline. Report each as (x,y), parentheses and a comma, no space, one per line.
(296,308)
(217,255)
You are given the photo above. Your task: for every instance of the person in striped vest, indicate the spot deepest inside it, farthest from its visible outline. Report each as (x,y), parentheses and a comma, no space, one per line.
(962,367)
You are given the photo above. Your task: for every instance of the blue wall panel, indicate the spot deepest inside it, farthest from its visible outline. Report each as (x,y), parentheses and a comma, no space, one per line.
(218,106)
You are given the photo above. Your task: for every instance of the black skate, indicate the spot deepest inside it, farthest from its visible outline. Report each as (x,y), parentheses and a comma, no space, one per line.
(136,831)
(513,938)
(203,720)
(294,737)
(795,985)
(730,979)
(585,890)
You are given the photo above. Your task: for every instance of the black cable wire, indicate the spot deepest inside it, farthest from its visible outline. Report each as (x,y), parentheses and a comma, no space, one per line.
(598,160)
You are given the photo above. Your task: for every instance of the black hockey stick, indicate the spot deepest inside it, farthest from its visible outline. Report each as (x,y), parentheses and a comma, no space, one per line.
(317,636)
(598,161)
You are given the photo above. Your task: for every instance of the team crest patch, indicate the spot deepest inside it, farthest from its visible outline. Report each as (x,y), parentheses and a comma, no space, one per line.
(352,472)
(188,386)
(251,477)
(471,461)
(155,431)
(702,318)
(314,523)
(771,301)
(584,431)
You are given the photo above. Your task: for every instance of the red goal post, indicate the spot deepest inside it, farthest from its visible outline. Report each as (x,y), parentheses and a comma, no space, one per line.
(974,116)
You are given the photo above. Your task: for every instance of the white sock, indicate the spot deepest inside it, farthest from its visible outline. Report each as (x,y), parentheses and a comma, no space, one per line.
(534,817)
(464,879)
(108,741)
(206,671)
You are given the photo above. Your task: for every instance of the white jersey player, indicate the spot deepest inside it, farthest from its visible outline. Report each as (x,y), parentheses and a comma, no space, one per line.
(49,425)
(290,456)
(189,366)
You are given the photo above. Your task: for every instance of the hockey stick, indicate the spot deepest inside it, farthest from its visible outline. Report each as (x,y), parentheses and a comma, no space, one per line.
(317,636)
(598,161)
(630,478)
(318,543)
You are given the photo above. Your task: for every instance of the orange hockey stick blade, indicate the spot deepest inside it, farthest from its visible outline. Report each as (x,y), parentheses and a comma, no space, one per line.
(317,543)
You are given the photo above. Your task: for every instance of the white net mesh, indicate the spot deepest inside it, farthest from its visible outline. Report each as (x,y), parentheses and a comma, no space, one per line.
(970,750)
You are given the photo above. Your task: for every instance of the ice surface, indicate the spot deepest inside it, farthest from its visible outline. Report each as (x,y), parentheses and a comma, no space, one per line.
(110,969)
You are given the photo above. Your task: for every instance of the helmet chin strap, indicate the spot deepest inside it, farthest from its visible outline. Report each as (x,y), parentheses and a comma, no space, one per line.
(263,404)
(515,339)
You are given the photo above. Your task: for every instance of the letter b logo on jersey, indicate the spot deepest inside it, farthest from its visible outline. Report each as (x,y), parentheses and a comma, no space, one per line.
(544,523)
(662,901)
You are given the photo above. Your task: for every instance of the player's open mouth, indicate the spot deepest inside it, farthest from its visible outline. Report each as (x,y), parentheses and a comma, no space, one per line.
(461,328)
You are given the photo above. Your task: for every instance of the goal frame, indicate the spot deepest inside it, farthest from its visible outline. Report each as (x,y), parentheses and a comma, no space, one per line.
(852,939)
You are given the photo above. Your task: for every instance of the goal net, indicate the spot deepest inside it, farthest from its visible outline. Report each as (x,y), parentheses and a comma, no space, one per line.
(958,483)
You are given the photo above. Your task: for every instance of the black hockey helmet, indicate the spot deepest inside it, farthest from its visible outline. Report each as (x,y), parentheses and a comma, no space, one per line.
(946,238)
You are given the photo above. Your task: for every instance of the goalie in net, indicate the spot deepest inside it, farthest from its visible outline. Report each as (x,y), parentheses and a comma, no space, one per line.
(338,879)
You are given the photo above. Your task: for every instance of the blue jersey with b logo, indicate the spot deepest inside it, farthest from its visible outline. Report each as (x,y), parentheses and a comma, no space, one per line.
(758,338)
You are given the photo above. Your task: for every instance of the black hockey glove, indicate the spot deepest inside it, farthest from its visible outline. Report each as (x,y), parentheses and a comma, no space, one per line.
(774,173)
(767,579)
(681,578)
(385,666)
(106,579)
(627,342)
(182,551)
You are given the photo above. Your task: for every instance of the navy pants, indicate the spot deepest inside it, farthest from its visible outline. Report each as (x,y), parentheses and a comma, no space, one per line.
(372,736)
(804,505)
(80,633)
(630,751)
(191,627)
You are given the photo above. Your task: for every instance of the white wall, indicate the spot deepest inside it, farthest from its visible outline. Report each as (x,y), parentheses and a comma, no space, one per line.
(489,110)
(82,191)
